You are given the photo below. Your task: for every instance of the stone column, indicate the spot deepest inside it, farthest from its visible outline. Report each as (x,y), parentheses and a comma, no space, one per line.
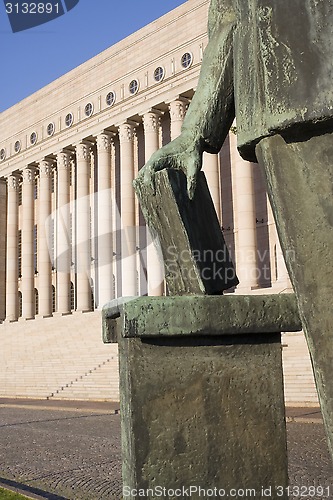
(105,237)
(282,274)
(151,123)
(279,273)
(177,109)
(28,271)
(83,245)
(211,170)
(272,239)
(245,218)
(12,249)
(63,255)
(281,279)
(127,212)
(44,261)
(3,232)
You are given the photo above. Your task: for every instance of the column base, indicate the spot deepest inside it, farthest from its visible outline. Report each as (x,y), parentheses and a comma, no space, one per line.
(58,314)
(243,290)
(8,321)
(282,287)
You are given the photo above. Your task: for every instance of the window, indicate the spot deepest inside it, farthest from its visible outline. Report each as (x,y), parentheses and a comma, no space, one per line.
(50,129)
(35,248)
(133,87)
(19,245)
(2,154)
(20,304)
(69,120)
(53,181)
(20,193)
(111,98)
(72,297)
(53,299)
(92,297)
(36,302)
(33,138)
(71,173)
(89,109)
(17,146)
(186,60)
(159,74)
(36,188)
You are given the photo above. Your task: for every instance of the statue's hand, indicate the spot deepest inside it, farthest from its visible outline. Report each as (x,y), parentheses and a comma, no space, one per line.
(183,153)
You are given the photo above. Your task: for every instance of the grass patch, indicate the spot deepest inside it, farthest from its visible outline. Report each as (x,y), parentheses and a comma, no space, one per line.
(10,495)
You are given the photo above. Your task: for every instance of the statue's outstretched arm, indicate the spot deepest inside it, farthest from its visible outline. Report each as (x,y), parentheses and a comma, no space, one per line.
(211,111)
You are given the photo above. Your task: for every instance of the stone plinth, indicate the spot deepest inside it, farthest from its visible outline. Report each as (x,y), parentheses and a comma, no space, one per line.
(202,392)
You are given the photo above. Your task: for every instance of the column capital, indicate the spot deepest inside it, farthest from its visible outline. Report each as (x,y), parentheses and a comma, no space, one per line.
(126,132)
(64,159)
(177,109)
(83,150)
(151,121)
(104,141)
(28,174)
(13,182)
(45,168)
(178,98)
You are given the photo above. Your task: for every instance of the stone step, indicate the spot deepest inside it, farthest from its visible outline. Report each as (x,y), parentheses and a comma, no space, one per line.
(64,357)
(63,354)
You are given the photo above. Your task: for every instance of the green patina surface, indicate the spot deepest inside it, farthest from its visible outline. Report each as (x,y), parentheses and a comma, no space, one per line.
(195,255)
(201,315)
(300,185)
(203,410)
(194,405)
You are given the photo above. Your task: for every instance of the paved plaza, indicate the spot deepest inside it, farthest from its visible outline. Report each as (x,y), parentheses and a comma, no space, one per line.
(71,450)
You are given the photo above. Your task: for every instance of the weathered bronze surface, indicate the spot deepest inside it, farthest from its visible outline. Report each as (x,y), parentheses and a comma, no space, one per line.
(270,64)
(195,255)
(300,185)
(202,405)
(196,315)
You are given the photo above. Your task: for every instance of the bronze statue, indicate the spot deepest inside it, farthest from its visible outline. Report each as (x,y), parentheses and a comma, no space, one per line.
(270,64)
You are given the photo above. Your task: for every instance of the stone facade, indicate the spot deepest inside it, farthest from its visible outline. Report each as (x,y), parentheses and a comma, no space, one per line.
(75,237)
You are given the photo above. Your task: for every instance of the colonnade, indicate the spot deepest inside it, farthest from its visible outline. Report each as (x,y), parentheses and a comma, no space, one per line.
(68,218)
(55,222)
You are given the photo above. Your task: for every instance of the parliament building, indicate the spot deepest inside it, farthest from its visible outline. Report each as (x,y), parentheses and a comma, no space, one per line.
(72,236)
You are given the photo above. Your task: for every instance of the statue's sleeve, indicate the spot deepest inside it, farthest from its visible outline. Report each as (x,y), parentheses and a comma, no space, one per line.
(212,111)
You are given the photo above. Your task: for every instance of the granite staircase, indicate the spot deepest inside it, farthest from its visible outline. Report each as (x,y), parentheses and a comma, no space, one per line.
(62,357)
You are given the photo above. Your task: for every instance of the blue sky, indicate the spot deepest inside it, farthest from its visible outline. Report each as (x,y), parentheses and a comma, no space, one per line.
(33,58)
